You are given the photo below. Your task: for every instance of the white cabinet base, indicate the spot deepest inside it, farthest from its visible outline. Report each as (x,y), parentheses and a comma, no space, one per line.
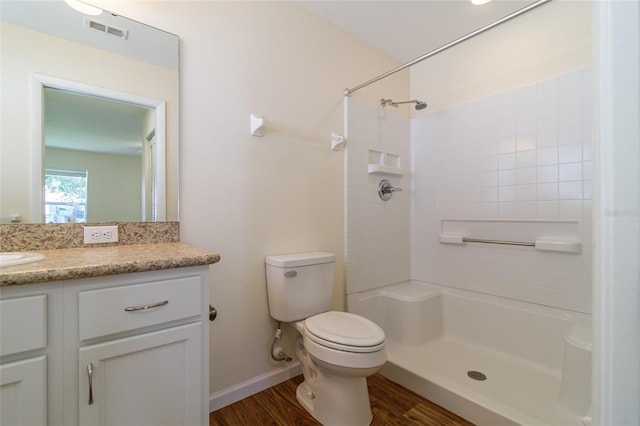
(150,363)
(23,397)
(149,379)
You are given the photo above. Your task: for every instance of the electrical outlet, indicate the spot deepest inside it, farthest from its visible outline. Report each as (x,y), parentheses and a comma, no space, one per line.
(100,234)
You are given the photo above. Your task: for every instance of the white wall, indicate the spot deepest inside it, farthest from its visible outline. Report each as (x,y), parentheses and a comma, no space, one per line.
(508,136)
(518,159)
(376,231)
(617,215)
(246,197)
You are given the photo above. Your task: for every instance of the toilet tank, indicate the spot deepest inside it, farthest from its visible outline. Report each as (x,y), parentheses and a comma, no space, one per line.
(299,285)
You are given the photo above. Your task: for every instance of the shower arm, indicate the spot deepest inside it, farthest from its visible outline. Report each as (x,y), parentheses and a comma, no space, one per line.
(404,102)
(348,92)
(419,104)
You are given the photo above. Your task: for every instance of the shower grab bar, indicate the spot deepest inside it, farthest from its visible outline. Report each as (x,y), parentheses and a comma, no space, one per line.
(511,243)
(564,246)
(348,92)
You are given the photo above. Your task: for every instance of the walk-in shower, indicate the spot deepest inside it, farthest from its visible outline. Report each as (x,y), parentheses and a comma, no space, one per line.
(419,104)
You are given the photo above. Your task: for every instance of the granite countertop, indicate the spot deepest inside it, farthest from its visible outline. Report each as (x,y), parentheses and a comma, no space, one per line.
(64,264)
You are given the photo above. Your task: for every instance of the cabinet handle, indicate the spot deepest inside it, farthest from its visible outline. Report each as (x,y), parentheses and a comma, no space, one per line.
(143,307)
(90,374)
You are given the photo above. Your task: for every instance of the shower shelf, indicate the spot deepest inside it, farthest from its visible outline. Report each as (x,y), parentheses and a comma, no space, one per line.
(384,163)
(385,170)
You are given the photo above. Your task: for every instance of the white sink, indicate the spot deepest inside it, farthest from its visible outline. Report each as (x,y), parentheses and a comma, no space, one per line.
(18,258)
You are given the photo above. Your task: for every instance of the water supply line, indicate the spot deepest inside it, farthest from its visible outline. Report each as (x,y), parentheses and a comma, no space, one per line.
(277,354)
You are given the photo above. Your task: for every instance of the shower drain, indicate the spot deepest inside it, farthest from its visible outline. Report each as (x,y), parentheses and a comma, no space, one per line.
(476,375)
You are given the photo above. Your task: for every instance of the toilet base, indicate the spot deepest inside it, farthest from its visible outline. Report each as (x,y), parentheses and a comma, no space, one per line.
(337,401)
(305,396)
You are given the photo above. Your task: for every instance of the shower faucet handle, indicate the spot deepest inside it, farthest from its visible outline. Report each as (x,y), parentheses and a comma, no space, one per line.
(385,189)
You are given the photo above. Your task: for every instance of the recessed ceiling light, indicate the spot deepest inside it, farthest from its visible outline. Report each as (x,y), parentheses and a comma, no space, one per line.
(479,2)
(84,8)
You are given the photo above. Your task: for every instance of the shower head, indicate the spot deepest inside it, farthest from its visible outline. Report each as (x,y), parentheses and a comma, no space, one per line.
(419,104)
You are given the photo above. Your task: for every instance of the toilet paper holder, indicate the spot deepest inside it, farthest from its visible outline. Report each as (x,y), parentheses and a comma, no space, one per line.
(213,313)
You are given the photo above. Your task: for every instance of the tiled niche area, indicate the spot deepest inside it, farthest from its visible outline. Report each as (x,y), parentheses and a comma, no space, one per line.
(520,155)
(376,232)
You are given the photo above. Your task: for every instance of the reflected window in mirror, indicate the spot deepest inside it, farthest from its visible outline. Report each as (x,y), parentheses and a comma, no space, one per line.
(65,196)
(111,138)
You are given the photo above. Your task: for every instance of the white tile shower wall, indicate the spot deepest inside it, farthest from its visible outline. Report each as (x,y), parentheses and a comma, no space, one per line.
(376,232)
(521,154)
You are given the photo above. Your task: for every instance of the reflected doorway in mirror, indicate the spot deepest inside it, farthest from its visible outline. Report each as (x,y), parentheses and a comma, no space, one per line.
(131,168)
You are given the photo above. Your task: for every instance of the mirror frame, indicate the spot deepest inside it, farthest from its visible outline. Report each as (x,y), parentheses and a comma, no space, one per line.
(37,85)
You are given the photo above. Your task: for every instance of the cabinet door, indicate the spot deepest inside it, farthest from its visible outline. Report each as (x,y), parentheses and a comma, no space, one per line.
(23,386)
(149,379)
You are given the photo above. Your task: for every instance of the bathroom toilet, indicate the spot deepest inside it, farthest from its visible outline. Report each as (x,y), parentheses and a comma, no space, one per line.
(337,350)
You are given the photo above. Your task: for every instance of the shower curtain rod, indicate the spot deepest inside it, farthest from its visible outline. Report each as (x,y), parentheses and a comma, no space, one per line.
(348,92)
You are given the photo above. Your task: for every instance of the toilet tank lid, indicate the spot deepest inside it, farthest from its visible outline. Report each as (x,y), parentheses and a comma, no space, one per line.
(300,259)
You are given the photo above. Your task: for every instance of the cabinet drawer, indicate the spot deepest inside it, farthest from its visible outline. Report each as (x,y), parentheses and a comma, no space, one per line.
(117,309)
(23,324)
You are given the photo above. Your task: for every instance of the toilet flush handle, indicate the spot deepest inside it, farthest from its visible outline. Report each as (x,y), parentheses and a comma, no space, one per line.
(290,274)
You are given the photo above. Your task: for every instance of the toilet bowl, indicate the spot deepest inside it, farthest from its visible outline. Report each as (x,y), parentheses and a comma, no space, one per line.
(344,339)
(337,350)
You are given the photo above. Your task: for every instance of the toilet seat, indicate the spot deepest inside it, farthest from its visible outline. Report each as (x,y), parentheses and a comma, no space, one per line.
(344,331)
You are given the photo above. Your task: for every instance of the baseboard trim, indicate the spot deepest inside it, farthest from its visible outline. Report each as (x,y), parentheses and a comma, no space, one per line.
(252,386)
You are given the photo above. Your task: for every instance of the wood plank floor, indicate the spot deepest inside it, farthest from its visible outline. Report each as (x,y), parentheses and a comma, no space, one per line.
(391,404)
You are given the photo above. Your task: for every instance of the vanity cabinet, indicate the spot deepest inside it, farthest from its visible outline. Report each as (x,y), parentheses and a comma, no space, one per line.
(150,379)
(24,356)
(120,349)
(23,392)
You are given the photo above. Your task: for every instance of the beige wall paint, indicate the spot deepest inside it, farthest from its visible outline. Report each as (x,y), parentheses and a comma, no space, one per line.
(25,51)
(246,197)
(553,39)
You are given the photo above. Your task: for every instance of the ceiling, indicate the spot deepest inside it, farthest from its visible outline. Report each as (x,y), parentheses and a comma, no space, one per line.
(87,123)
(56,18)
(403,29)
(406,30)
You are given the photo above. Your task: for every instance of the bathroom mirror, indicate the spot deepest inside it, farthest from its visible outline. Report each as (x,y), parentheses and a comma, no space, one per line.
(89,111)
